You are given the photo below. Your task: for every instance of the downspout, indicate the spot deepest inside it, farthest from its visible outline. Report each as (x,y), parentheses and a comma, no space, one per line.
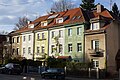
(33,45)
(48,42)
(106,56)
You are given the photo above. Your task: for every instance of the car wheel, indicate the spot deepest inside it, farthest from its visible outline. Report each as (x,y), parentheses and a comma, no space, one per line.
(43,76)
(9,72)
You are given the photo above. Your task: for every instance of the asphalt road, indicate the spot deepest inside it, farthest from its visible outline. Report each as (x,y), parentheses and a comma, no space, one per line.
(37,77)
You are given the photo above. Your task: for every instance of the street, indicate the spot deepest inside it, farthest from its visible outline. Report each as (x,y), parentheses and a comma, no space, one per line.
(36,77)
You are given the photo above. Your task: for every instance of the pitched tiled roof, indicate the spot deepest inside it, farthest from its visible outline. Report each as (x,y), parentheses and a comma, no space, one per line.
(69,14)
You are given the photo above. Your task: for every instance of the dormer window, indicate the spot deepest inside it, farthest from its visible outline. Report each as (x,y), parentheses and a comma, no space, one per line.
(44,23)
(59,20)
(95,26)
(31,26)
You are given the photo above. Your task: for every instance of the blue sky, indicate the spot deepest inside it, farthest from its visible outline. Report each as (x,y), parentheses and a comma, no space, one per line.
(11,10)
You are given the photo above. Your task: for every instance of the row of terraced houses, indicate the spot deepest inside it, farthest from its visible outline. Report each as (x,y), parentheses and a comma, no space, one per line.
(83,36)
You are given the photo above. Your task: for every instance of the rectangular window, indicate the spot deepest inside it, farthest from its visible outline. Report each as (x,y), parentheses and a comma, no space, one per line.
(95,26)
(59,20)
(29,50)
(23,38)
(23,51)
(69,47)
(29,38)
(43,36)
(18,40)
(60,33)
(38,49)
(43,49)
(95,63)
(70,32)
(53,34)
(60,48)
(79,47)
(13,50)
(17,51)
(38,36)
(79,30)
(95,45)
(13,40)
(52,47)
(44,23)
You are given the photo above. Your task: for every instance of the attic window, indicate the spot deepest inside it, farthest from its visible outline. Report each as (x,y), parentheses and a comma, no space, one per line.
(31,26)
(53,16)
(59,20)
(74,18)
(78,17)
(95,26)
(44,23)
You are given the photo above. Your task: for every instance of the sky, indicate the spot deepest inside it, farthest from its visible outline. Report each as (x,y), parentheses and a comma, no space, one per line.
(11,10)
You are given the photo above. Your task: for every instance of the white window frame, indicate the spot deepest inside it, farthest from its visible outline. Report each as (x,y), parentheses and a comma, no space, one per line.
(59,20)
(69,47)
(95,26)
(42,49)
(23,51)
(24,38)
(95,44)
(43,35)
(53,34)
(79,47)
(70,32)
(96,63)
(29,50)
(44,23)
(29,37)
(38,36)
(60,33)
(79,31)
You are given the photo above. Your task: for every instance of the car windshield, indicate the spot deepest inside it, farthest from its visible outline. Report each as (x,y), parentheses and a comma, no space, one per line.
(16,66)
(52,70)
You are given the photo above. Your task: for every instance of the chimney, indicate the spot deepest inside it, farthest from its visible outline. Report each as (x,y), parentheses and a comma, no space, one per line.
(99,8)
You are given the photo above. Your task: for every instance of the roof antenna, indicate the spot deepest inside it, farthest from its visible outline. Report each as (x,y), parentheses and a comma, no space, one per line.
(111,4)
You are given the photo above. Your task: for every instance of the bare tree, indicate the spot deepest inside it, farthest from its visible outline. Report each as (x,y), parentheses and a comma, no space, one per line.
(23,21)
(62,5)
(3,32)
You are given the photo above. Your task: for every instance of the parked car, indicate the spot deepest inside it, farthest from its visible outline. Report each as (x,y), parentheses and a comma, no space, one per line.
(57,73)
(11,68)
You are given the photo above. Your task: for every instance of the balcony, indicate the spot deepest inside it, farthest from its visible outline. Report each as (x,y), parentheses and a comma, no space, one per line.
(96,52)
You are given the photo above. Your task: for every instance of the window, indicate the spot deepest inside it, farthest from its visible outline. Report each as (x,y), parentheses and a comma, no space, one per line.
(95,44)
(29,50)
(18,40)
(23,38)
(17,51)
(79,30)
(59,20)
(38,36)
(38,49)
(13,40)
(29,38)
(95,63)
(44,23)
(53,34)
(79,47)
(43,49)
(60,48)
(94,26)
(69,47)
(70,32)
(43,36)
(13,50)
(60,33)
(52,47)
(23,51)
